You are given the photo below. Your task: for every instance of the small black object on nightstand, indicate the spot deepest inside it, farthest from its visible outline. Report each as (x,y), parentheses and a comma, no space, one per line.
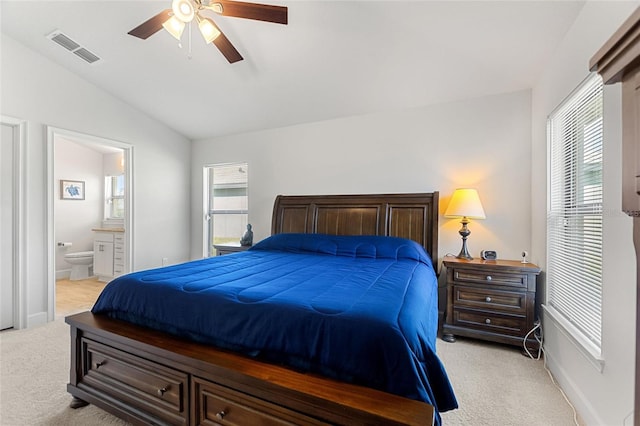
(488,255)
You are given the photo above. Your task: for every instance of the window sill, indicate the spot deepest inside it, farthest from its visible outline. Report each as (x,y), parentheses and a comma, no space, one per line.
(591,352)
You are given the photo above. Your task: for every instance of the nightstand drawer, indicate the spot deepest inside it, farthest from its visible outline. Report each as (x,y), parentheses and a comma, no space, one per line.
(490,277)
(489,321)
(494,300)
(222,249)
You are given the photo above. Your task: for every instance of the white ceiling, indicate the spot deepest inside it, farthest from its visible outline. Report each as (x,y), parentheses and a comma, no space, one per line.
(333,59)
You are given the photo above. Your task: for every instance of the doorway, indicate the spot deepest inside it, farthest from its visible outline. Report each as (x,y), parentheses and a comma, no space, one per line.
(12,141)
(227,209)
(108,158)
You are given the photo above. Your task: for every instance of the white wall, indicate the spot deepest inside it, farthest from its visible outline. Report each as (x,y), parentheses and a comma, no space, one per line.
(484,143)
(40,91)
(602,398)
(75,218)
(113,164)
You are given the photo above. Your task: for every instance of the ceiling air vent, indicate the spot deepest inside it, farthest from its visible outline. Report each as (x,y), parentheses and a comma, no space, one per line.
(86,55)
(65,41)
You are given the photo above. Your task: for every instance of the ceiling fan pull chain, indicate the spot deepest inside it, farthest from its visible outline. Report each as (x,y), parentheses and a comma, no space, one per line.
(180,42)
(189,54)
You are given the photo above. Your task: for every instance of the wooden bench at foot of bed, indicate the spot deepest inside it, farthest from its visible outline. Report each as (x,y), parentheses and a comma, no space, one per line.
(149,377)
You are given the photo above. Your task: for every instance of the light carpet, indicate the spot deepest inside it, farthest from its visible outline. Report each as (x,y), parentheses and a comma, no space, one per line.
(495,384)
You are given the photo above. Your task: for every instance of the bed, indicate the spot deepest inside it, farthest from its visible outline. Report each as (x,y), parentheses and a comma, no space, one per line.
(331,320)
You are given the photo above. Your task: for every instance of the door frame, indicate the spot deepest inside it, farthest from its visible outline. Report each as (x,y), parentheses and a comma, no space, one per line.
(19,219)
(83,138)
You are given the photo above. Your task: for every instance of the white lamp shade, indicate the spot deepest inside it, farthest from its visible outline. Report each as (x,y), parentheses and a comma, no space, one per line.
(183,10)
(465,202)
(174,26)
(208,30)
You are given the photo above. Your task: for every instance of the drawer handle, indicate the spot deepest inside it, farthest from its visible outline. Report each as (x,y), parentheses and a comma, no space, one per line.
(487,321)
(220,415)
(100,364)
(489,278)
(487,299)
(162,391)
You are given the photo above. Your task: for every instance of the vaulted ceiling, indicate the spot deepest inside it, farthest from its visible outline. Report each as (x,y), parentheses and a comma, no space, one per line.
(333,59)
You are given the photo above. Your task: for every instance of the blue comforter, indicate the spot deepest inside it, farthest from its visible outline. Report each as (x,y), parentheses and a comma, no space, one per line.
(361,309)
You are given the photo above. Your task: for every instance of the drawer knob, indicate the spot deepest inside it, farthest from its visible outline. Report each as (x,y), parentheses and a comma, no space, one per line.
(487,321)
(162,391)
(100,364)
(487,299)
(489,278)
(220,415)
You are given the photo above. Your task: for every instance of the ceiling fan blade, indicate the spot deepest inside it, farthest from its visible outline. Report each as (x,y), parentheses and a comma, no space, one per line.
(226,48)
(255,11)
(151,26)
(224,45)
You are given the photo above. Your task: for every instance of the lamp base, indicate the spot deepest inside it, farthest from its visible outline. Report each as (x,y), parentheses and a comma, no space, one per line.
(464,233)
(464,253)
(465,256)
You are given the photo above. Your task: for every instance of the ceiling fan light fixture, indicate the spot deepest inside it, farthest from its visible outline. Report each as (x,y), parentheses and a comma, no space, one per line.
(208,30)
(183,10)
(216,7)
(174,26)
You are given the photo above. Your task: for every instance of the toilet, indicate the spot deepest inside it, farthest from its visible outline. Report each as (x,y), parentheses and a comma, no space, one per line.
(81,263)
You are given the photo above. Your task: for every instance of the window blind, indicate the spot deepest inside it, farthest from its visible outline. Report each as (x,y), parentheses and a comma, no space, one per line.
(574,219)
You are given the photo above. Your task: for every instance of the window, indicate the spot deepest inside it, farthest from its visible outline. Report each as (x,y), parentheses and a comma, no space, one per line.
(114,197)
(574,218)
(228,203)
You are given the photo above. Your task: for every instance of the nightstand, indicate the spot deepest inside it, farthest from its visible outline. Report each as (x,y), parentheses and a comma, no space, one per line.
(228,248)
(491,300)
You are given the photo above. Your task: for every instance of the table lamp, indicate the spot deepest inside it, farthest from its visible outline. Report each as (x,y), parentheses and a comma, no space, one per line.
(465,203)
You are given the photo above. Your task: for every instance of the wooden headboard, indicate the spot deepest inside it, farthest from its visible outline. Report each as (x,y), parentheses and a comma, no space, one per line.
(412,216)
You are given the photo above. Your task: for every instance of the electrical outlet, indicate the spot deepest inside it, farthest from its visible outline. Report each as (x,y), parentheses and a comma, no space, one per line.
(165,261)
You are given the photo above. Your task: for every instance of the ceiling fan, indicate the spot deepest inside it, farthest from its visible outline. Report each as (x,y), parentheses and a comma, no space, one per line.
(183,12)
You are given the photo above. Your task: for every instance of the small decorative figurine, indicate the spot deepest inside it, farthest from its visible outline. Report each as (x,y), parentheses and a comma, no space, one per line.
(247,238)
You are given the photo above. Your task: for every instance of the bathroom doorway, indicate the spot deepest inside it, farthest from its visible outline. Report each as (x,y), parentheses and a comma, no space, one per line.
(83,198)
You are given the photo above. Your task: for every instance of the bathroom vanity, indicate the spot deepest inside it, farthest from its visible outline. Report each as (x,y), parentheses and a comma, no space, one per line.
(108,253)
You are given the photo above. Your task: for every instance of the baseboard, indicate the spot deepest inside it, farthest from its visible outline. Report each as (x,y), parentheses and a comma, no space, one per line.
(63,274)
(36,320)
(582,405)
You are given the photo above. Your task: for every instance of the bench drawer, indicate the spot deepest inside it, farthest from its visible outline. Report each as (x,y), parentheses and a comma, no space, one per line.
(219,405)
(157,390)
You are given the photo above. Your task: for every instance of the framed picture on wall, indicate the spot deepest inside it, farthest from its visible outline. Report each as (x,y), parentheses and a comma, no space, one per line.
(71,190)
